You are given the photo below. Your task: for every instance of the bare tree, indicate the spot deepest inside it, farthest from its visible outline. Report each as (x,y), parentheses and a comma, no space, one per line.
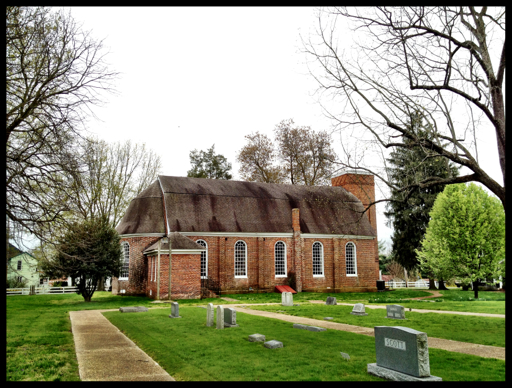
(257,160)
(114,174)
(447,63)
(55,72)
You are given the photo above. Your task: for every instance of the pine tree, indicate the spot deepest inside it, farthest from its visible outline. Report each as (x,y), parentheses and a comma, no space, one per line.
(408,211)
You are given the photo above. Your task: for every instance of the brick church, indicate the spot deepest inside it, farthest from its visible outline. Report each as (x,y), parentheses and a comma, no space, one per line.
(248,236)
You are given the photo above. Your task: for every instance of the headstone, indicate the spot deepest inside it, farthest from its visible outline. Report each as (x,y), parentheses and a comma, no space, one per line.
(230,317)
(287,299)
(175,310)
(345,356)
(358,309)
(331,300)
(273,344)
(395,311)
(306,327)
(257,338)
(133,309)
(402,354)
(328,318)
(209,315)
(220,317)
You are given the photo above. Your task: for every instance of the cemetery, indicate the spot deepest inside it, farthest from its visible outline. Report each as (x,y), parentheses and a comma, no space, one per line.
(220,342)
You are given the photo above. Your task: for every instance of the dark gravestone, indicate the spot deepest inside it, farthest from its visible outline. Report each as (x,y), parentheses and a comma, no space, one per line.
(331,300)
(230,317)
(310,328)
(395,311)
(402,354)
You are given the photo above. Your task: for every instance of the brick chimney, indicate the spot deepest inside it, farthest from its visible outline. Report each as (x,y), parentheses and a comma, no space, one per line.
(295,220)
(362,185)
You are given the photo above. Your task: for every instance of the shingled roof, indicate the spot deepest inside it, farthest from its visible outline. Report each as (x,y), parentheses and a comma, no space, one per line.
(178,242)
(211,205)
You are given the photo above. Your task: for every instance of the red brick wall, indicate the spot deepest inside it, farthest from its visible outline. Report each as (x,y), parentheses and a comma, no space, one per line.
(137,278)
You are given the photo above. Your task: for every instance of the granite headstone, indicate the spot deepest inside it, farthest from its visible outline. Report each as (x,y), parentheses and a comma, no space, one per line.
(331,300)
(395,311)
(175,310)
(359,309)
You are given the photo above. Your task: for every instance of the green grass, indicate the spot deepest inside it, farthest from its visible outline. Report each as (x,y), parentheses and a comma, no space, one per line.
(40,347)
(477,330)
(188,350)
(40,344)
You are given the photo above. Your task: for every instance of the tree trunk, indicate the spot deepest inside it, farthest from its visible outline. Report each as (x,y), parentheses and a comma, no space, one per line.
(431,283)
(475,288)
(441,285)
(101,284)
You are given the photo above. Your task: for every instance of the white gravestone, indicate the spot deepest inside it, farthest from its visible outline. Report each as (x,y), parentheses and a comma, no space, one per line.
(230,317)
(287,299)
(359,309)
(220,317)
(210,312)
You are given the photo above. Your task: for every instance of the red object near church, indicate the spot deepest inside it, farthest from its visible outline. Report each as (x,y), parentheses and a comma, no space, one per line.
(282,289)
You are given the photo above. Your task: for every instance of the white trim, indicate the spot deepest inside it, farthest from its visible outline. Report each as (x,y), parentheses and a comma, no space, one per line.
(245,260)
(165,207)
(285,260)
(355,260)
(123,243)
(323,259)
(254,234)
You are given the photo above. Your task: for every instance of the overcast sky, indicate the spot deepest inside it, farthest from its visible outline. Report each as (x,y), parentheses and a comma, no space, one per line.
(196,76)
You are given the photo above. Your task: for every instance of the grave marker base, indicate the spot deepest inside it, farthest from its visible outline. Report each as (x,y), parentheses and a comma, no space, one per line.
(393,375)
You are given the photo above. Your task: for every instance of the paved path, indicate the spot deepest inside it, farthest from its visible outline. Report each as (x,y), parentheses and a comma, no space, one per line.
(106,354)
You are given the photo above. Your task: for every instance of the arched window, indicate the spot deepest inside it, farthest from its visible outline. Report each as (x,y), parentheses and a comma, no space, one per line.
(240,259)
(318,259)
(204,259)
(350,259)
(280,259)
(125,252)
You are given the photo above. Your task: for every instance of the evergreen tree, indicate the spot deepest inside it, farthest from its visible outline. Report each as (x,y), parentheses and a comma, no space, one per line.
(209,165)
(408,211)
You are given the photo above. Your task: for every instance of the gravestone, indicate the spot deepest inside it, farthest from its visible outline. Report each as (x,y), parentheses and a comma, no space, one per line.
(306,327)
(402,354)
(345,356)
(230,317)
(210,312)
(133,309)
(395,311)
(273,344)
(287,299)
(175,310)
(328,318)
(358,309)
(257,338)
(220,317)
(331,300)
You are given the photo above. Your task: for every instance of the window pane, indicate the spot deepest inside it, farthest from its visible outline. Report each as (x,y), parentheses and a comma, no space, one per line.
(204,259)
(318,258)
(126,260)
(350,259)
(280,258)
(240,259)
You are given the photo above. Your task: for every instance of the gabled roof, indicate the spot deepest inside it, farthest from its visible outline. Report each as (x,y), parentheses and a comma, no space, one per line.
(210,205)
(178,242)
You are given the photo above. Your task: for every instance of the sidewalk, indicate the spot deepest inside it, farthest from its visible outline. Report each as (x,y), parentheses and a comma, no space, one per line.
(106,354)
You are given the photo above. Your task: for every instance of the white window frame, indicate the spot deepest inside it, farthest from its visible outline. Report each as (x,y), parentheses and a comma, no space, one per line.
(245,259)
(321,258)
(354,259)
(284,258)
(123,251)
(205,253)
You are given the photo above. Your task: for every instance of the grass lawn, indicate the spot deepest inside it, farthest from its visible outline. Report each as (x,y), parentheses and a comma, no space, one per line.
(188,350)
(477,330)
(40,344)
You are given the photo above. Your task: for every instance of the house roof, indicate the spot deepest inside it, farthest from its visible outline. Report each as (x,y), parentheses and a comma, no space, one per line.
(178,242)
(210,205)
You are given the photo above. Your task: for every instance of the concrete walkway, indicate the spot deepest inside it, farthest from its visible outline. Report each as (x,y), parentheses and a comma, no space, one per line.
(106,354)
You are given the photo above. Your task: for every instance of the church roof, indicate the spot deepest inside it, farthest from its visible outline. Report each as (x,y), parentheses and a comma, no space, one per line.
(178,242)
(211,205)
